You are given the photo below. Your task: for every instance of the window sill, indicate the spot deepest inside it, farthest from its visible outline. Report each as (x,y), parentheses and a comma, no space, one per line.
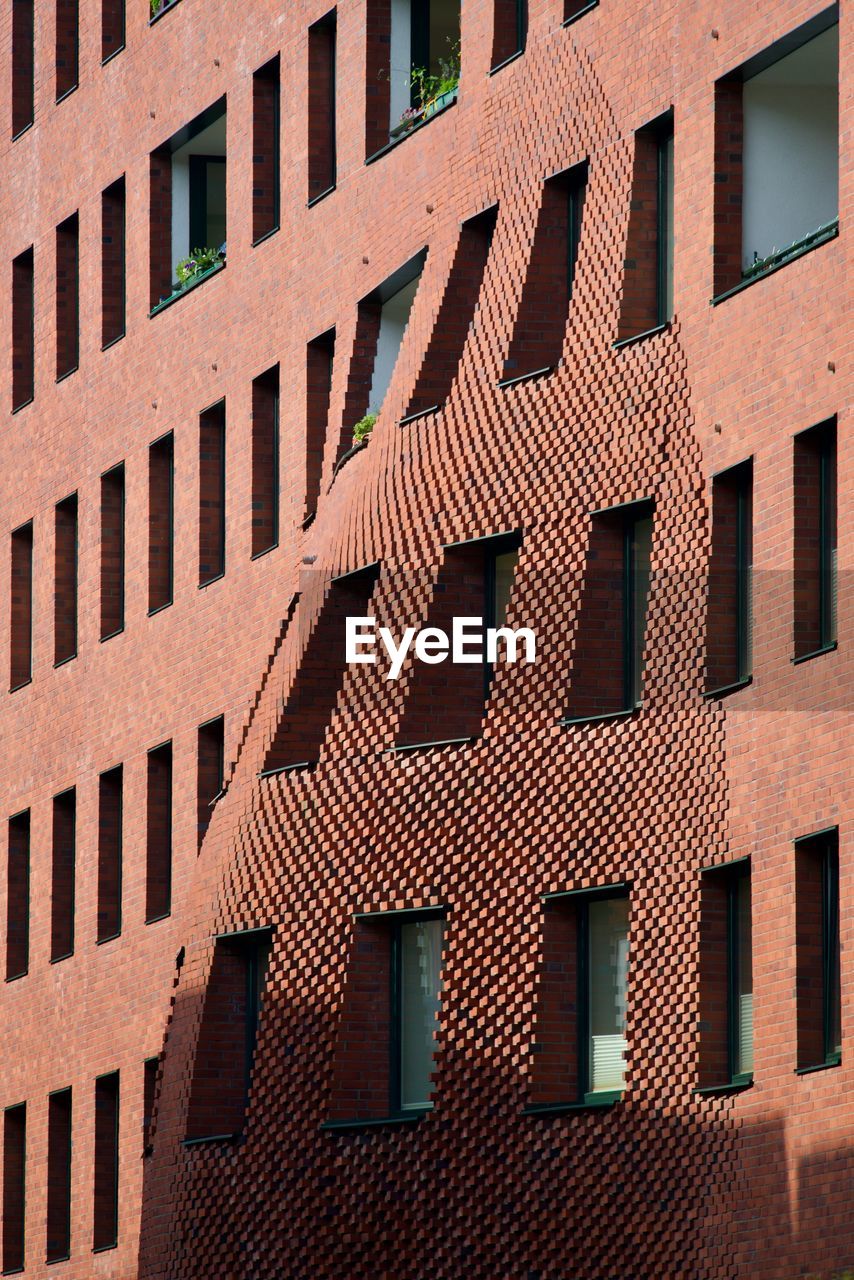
(209,1138)
(15,137)
(59,959)
(384,1122)
(14,977)
(420,124)
(506,63)
(111,635)
(723,1090)
(105,1248)
(49,1262)
(504,383)
(591,1103)
(268,235)
(99,942)
(625,714)
(834,1061)
(815,653)
(189,286)
(791,255)
(21,685)
(208,582)
(66,94)
(265,551)
(105,346)
(639,337)
(357,448)
(164,915)
(18,407)
(567,22)
(63,662)
(321,196)
(68,372)
(723,690)
(427,746)
(422,413)
(114,54)
(164,8)
(158,608)
(287,768)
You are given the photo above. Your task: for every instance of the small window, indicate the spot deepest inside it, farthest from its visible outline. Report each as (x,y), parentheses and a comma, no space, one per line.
(149,1088)
(265,461)
(23,64)
(113,552)
(212,494)
(21,608)
(209,773)
(647,301)
(112,28)
(63,876)
(14,1187)
(110,854)
(23,336)
(67,51)
(161,522)
(509,30)
(573,9)
(65,581)
(18,897)
(67,297)
(106,1180)
(222,1076)
(815,540)
(413,65)
(726,977)
(729,621)
(610,639)
(158,859)
(59,1115)
(113,265)
(322,159)
(320,357)
(818,950)
(265,151)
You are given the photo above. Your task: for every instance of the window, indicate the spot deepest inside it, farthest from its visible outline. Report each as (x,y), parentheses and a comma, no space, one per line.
(65,581)
(209,774)
(58,1244)
(67,297)
(63,876)
(265,151)
(776,116)
(161,522)
(509,31)
(729,623)
(14,1187)
(815,540)
(150,1068)
(320,356)
(608,658)
(158,858)
(265,462)
(23,337)
(222,1075)
(726,977)
(106,1181)
(212,494)
(110,854)
(112,28)
(67,39)
(413,48)
(540,327)
(818,950)
(322,160)
(647,302)
(21,607)
(113,552)
(23,64)
(113,266)
(573,9)
(18,897)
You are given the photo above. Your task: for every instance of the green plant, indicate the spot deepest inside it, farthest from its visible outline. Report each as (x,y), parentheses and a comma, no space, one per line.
(428,86)
(156,6)
(363,428)
(200,260)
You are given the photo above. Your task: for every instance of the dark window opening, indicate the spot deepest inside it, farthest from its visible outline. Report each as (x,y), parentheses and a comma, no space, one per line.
(21,607)
(105,1233)
(818,950)
(23,64)
(110,854)
(265,151)
(67,47)
(319,359)
(113,552)
(647,301)
(161,522)
(212,494)
(158,857)
(113,265)
(23,336)
(14,1187)
(413,65)
(265,461)
(63,876)
(209,771)
(726,977)
(573,9)
(815,540)
(149,1090)
(18,897)
(58,1243)
(65,581)
(322,160)
(112,28)
(67,296)
(509,30)
(729,622)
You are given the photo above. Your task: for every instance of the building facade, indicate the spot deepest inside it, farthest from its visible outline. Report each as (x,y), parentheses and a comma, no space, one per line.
(416,310)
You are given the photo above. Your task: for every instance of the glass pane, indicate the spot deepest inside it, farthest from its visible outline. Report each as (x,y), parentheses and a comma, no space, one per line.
(609,959)
(641,550)
(744,979)
(444,34)
(505,566)
(215,209)
(420,962)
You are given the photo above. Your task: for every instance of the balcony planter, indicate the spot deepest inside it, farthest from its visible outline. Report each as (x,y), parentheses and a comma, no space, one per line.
(440,102)
(159,7)
(182,287)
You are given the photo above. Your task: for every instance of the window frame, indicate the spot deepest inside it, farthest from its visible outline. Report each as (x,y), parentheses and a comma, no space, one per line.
(396,923)
(827,842)
(740,479)
(584,897)
(737,873)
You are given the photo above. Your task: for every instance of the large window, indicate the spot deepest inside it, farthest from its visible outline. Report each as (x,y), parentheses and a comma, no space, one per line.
(815,541)
(729,618)
(818,950)
(726,977)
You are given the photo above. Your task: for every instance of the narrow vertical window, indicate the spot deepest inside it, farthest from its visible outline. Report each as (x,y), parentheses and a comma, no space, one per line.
(415,990)
(726,977)
(212,494)
(110,854)
(63,876)
(320,356)
(67,42)
(605,939)
(112,28)
(23,64)
(158,861)
(209,774)
(265,150)
(265,461)
(23,337)
(113,552)
(161,523)
(59,1114)
(18,897)
(67,296)
(509,31)
(106,1180)
(149,1088)
(647,301)
(65,581)
(21,608)
(14,1187)
(818,950)
(322,158)
(729,623)
(815,539)
(113,266)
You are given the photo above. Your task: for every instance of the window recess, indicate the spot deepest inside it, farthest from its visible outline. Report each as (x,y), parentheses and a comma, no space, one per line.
(14,1188)
(266,197)
(647,301)
(59,1116)
(209,771)
(21,608)
(67,47)
(729,618)
(212,494)
(105,1184)
(112,28)
(18,897)
(110,788)
(413,65)
(23,336)
(265,461)
(509,31)
(322,124)
(158,857)
(67,296)
(23,65)
(819,1005)
(319,363)
(113,552)
(113,266)
(726,977)
(65,581)
(63,875)
(161,522)
(815,541)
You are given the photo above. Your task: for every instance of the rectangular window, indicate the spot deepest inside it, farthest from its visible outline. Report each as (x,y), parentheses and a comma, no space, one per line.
(212,494)
(815,540)
(113,552)
(112,28)
(67,296)
(605,937)
(67,41)
(726,977)
(110,854)
(18,897)
(161,522)
(209,774)
(113,265)
(265,462)
(106,1181)
(265,150)
(320,356)
(63,875)
(158,861)
(23,64)
(818,950)
(222,1075)
(149,1088)
(729,623)
(23,337)
(416,968)
(58,1244)
(393,301)
(14,1187)
(509,31)
(65,581)
(647,301)
(21,607)
(420,53)
(322,161)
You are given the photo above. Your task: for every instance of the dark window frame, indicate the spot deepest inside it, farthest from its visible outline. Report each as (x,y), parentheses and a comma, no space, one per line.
(394,922)
(111,1238)
(114,474)
(732,874)
(67,800)
(163,753)
(17,1190)
(826,845)
(740,479)
(163,448)
(22,824)
(327,25)
(270,71)
(63,1252)
(109,778)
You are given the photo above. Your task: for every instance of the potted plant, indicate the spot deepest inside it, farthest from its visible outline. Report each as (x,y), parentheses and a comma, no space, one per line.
(363,428)
(433,92)
(199,262)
